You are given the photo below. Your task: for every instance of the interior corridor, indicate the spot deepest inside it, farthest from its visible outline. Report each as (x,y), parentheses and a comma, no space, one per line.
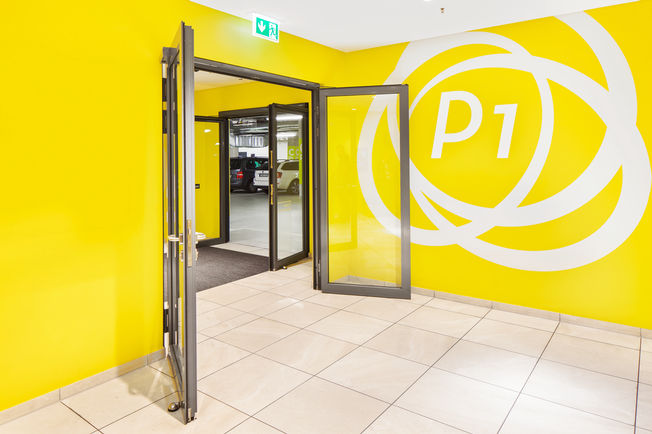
(277,356)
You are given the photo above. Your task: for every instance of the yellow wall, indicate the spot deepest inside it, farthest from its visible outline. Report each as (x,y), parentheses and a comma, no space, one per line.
(211,102)
(81,258)
(81,127)
(615,285)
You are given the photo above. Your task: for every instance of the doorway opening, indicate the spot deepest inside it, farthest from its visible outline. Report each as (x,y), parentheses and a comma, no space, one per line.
(252,181)
(336,225)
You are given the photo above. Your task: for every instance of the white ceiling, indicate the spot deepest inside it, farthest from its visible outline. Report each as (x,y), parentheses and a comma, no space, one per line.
(210,80)
(350,25)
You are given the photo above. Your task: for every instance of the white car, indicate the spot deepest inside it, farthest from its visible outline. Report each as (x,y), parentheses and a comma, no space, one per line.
(287,176)
(261,178)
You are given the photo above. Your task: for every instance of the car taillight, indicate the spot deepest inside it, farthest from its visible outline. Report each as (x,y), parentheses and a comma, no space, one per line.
(278,175)
(239,174)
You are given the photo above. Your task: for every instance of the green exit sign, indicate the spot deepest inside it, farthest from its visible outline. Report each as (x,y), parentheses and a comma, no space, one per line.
(264,28)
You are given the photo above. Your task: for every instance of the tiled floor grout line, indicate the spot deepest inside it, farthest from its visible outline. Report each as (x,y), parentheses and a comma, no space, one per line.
(255,418)
(268,291)
(344,308)
(426,371)
(600,342)
(358,346)
(136,411)
(527,379)
(80,416)
(552,334)
(335,361)
(577,409)
(638,383)
(310,376)
(216,337)
(586,369)
(397,322)
(536,328)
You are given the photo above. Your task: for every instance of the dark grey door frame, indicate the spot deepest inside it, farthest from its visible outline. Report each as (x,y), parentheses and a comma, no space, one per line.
(223,181)
(274,261)
(180,235)
(404,291)
(267,77)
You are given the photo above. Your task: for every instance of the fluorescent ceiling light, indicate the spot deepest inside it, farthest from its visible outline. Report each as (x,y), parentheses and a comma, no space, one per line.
(288,117)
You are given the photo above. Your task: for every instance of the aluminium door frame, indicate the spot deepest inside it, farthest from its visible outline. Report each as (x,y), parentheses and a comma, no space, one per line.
(302,107)
(275,262)
(259,111)
(185,376)
(404,291)
(202,64)
(223,182)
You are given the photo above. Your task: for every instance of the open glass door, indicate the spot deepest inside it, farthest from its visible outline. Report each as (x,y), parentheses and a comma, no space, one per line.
(288,184)
(179,248)
(364,191)
(211,179)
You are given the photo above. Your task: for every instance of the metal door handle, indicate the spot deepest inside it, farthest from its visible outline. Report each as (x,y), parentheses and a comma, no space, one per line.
(175,239)
(200,236)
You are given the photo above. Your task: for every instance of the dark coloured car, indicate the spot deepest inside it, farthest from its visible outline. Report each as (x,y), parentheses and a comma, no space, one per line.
(243,171)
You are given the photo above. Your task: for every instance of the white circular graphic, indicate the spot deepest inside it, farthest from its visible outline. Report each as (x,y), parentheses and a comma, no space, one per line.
(622,148)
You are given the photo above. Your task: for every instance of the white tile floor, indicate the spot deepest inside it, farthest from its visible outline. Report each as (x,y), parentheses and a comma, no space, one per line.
(276,356)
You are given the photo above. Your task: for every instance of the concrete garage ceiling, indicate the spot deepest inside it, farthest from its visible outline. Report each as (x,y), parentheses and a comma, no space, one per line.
(350,25)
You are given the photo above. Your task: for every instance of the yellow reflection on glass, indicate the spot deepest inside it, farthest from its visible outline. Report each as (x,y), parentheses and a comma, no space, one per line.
(361,250)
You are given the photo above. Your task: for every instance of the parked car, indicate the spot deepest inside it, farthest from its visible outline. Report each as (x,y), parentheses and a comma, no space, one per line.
(288,177)
(261,178)
(243,171)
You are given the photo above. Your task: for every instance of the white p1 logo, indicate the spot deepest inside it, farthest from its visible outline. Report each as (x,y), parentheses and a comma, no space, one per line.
(441,136)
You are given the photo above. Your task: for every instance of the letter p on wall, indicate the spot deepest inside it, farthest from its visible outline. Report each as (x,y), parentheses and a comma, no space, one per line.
(441,136)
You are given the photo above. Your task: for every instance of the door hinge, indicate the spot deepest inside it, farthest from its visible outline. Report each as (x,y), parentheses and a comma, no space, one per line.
(166,322)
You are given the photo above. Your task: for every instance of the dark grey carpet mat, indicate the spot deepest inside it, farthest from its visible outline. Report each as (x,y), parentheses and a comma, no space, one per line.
(219,266)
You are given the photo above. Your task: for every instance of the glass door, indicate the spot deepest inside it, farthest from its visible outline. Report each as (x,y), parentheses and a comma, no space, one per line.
(288,184)
(211,179)
(364,191)
(179,237)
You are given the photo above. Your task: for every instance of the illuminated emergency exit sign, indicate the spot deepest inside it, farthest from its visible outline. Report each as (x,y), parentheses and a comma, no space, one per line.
(264,28)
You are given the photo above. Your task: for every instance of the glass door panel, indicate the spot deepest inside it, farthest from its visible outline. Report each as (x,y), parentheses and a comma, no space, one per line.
(179,219)
(288,130)
(210,193)
(364,197)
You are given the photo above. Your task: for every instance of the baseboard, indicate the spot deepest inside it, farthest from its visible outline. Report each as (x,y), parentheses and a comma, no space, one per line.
(604,325)
(29,406)
(67,391)
(578,320)
(422,291)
